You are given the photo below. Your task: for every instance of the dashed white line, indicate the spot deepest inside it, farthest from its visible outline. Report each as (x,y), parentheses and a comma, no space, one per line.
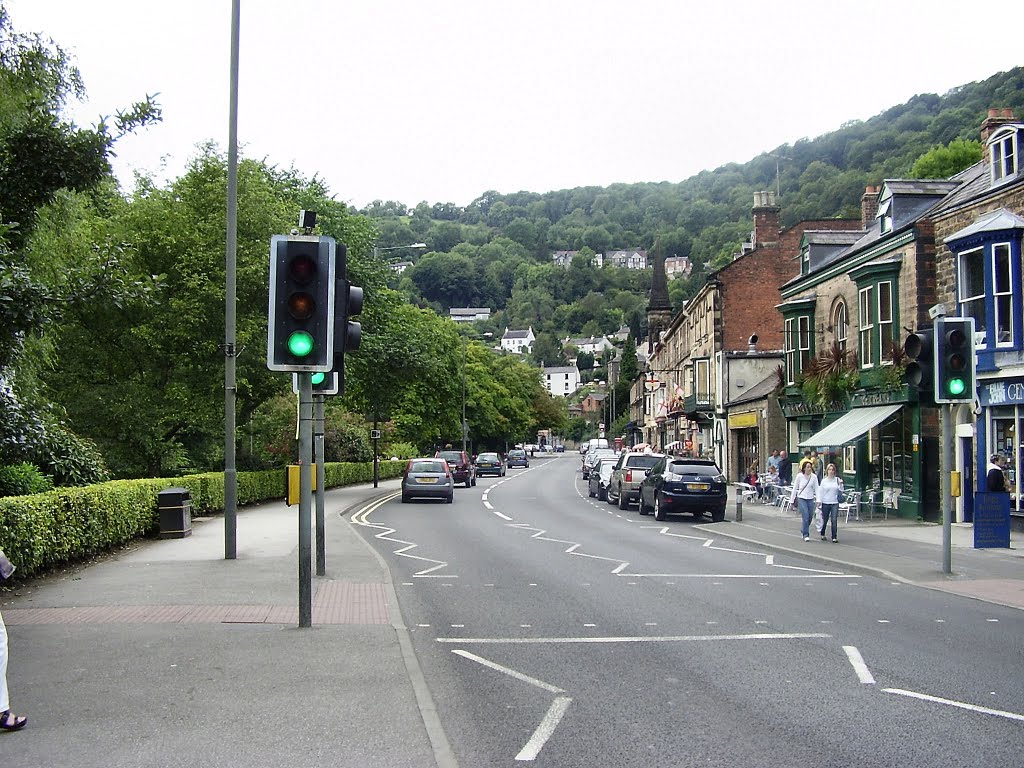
(627,639)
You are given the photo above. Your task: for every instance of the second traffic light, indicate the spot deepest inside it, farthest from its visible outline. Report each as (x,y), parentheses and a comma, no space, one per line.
(954,360)
(348,303)
(920,371)
(300,330)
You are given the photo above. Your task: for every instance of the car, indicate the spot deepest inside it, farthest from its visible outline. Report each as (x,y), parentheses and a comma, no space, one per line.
(429,478)
(559,448)
(518,458)
(629,472)
(490,464)
(462,468)
(591,458)
(677,485)
(599,477)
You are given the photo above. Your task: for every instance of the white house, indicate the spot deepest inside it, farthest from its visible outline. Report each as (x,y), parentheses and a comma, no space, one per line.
(595,345)
(627,259)
(562,381)
(678,266)
(518,342)
(400,266)
(563,258)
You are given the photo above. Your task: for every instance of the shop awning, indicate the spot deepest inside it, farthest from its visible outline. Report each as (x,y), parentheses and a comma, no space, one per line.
(850,426)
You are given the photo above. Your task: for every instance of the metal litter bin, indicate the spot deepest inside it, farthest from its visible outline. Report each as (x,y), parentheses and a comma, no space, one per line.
(175,505)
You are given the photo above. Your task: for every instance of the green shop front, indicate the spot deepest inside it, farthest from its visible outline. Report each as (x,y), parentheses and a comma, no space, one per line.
(878,449)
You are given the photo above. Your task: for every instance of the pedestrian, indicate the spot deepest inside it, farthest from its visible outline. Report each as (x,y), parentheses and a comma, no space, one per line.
(806,460)
(774,459)
(830,490)
(752,473)
(816,460)
(8,720)
(785,468)
(805,493)
(996,480)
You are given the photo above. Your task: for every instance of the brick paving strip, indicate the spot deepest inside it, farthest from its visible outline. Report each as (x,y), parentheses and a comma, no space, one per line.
(335,602)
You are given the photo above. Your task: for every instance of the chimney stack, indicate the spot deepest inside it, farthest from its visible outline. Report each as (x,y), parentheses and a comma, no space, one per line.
(995,119)
(868,206)
(766,219)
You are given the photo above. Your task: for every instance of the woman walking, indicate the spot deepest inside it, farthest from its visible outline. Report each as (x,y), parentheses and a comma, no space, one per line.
(805,493)
(829,492)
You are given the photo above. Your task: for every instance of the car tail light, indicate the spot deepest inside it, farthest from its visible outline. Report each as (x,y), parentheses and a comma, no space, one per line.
(629,475)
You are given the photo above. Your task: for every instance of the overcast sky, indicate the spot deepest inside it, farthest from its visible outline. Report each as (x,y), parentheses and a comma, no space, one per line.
(443,100)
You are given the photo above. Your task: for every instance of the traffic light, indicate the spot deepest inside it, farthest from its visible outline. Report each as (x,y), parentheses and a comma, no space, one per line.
(954,360)
(300,327)
(347,332)
(920,372)
(323,383)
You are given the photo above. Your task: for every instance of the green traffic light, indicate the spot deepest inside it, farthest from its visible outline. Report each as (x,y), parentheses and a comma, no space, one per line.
(318,378)
(956,387)
(300,344)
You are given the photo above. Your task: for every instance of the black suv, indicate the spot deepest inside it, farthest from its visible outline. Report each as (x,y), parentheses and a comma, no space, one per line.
(684,485)
(463,470)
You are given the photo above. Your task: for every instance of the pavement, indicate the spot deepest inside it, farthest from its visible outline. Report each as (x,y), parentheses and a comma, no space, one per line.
(166,654)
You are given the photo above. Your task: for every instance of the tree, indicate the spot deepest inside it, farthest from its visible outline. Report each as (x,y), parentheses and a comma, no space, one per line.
(941,162)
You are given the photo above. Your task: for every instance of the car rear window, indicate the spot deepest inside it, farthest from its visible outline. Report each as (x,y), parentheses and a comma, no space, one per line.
(452,457)
(487,457)
(427,466)
(517,453)
(645,462)
(685,468)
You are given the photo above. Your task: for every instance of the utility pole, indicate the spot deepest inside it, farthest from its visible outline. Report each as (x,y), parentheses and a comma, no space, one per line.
(230,257)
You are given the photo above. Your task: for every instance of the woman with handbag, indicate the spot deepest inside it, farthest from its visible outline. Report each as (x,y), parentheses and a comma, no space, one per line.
(805,493)
(8,721)
(830,494)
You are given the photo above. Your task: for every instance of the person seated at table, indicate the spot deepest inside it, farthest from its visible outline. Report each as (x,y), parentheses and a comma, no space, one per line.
(769,484)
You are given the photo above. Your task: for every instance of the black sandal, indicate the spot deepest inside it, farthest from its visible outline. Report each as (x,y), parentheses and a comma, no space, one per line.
(9,722)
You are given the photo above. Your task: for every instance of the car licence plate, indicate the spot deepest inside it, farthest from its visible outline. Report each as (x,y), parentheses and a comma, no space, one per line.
(698,486)
(426,479)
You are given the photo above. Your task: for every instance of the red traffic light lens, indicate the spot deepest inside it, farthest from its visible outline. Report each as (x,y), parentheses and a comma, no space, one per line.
(956,362)
(302,269)
(955,338)
(301,306)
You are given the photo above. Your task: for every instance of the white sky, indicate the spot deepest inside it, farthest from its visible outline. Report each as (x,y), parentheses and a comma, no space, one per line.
(441,100)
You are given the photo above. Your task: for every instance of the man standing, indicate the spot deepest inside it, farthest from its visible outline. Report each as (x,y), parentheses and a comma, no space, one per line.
(996,479)
(785,469)
(773,460)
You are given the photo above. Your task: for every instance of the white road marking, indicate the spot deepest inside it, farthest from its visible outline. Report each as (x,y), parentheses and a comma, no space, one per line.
(992,620)
(952,703)
(488,504)
(863,674)
(551,719)
(361,518)
(651,639)
(825,575)
(547,727)
(506,671)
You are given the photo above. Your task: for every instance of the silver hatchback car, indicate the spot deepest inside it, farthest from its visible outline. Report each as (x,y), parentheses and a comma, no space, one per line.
(428,478)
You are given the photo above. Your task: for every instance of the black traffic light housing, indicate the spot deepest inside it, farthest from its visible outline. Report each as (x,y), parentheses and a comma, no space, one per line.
(954,360)
(300,322)
(919,348)
(348,303)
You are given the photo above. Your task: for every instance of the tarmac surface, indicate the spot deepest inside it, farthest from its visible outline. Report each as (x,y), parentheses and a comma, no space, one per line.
(166,654)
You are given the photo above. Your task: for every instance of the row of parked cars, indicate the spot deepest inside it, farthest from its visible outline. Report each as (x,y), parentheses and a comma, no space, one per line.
(437,477)
(660,484)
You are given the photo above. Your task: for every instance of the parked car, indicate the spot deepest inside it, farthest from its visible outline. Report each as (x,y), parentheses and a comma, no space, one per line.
(490,464)
(677,485)
(518,458)
(559,448)
(601,473)
(624,486)
(462,468)
(428,478)
(591,459)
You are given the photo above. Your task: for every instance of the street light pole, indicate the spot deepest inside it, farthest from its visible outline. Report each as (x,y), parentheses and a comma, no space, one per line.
(464,392)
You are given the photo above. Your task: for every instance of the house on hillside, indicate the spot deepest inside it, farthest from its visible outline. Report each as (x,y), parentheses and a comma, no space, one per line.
(518,342)
(561,381)
(595,345)
(678,266)
(563,258)
(627,259)
(469,314)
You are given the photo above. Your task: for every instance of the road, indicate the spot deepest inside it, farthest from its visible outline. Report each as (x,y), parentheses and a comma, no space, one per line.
(558,630)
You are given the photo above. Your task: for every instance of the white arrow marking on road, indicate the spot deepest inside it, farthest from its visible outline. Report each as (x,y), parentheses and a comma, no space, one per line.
(554,714)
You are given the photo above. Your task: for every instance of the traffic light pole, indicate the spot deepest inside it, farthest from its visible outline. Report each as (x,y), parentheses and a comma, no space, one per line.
(318,447)
(305,499)
(946,490)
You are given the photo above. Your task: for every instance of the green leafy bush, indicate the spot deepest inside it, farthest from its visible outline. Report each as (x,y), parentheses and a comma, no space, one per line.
(23,479)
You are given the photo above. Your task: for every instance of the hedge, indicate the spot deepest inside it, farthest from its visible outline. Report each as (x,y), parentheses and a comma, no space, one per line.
(70,524)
